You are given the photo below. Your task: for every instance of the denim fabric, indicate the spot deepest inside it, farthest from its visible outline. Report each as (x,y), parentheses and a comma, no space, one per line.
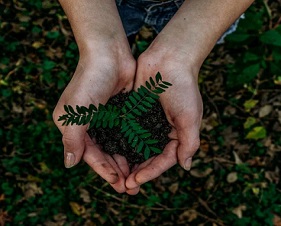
(155,13)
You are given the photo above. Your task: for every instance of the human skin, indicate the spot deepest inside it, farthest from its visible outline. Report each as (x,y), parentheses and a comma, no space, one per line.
(177,53)
(106,66)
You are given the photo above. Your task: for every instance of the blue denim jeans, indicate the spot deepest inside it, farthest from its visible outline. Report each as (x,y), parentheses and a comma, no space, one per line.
(155,13)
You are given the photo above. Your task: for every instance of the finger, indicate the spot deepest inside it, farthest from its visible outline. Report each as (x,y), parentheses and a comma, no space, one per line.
(122,164)
(104,165)
(133,191)
(119,185)
(189,143)
(131,182)
(74,144)
(155,167)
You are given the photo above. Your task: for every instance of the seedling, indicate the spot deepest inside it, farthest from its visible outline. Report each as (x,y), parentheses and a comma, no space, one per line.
(109,116)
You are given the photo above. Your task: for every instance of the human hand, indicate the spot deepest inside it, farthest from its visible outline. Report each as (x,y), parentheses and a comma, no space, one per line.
(100,74)
(182,105)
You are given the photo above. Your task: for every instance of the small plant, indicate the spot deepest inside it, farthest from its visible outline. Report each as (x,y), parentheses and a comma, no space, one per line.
(108,116)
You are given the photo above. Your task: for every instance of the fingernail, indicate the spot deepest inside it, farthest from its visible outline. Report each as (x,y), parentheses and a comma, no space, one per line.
(187,164)
(69,160)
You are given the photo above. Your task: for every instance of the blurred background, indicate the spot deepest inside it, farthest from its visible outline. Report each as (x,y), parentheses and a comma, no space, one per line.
(235,178)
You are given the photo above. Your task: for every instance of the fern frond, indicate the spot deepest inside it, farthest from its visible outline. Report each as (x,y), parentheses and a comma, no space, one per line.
(138,137)
(109,116)
(105,116)
(146,96)
(81,116)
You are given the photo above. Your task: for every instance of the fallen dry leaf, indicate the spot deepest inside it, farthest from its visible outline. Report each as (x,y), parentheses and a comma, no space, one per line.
(237,159)
(85,195)
(77,208)
(265,110)
(199,173)
(232,177)
(210,182)
(31,190)
(188,215)
(174,187)
(238,211)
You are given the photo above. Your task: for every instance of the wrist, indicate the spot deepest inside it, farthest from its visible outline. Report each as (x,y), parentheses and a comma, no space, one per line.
(170,57)
(104,47)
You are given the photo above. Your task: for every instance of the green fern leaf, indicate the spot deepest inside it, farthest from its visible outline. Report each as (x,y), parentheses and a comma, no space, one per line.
(88,119)
(163,86)
(104,123)
(152,81)
(167,83)
(130,116)
(136,95)
(128,132)
(154,96)
(149,101)
(98,124)
(155,150)
(142,91)
(135,141)
(111,123)
(66,109)
(69,120)
(101,108)
(82,120)
(100,114)
(117,122)
(141,131)
(148,85)
(158,90)
(71,110)
(62,117)
(79,110)
(133,100)
(75,120)
(140,146)
(123,109)
(142,108)
(131,137)
(151,141)
(146,152)
(137,112)
(93,121)
(145,135)
(128,104)
(125,128)
(92,108)
(158,77)
(106,115)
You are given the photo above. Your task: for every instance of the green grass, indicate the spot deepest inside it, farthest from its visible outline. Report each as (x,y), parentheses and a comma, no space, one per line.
(235,179)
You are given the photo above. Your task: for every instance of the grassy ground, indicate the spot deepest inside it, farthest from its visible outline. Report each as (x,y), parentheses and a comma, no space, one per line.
(235,178)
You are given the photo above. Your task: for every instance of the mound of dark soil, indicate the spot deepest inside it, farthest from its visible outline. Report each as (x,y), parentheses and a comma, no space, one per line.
(113,142)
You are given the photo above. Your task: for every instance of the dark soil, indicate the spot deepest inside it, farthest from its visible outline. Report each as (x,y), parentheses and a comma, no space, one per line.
(112,141)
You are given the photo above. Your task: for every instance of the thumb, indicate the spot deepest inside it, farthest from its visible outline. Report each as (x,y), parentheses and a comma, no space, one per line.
(189,143)
(74,144)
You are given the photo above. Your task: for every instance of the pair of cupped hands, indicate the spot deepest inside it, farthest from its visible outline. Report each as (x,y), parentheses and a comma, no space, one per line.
(104,71)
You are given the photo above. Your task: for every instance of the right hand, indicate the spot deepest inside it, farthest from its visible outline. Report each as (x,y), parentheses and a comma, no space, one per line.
(100,74)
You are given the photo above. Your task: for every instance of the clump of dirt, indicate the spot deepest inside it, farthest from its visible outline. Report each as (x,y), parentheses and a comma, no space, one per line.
(113,142)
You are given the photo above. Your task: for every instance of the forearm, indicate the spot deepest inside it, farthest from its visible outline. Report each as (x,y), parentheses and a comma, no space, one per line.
(94,22)
(198,24)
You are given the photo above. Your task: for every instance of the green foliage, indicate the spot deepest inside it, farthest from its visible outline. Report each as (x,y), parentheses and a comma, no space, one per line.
(263,53)
(35,189)
(108,116)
